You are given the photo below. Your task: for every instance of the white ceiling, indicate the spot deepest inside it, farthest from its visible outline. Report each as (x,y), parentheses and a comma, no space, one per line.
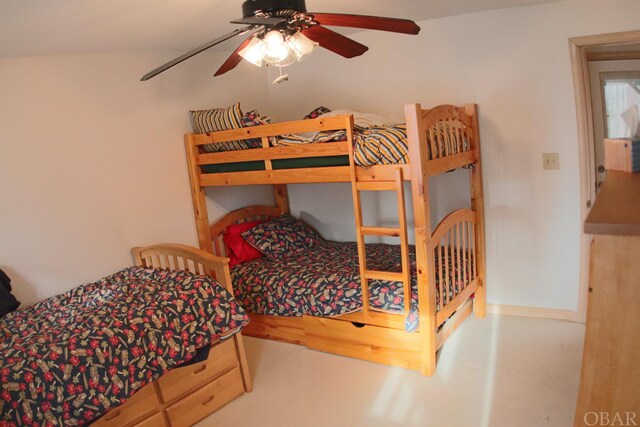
(51,27)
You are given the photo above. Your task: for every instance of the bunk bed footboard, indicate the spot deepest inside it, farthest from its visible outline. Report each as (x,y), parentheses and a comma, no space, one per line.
(455,249)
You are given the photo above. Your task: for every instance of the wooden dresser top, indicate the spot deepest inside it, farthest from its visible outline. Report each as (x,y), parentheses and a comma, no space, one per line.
(616,210)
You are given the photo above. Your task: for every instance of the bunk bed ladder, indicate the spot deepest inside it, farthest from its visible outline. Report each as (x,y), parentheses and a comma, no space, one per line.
(400,231)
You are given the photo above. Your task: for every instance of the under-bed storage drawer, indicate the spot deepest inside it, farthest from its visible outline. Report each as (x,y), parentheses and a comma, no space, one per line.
(156,420)
(208,399)
(135,409)
(178,382)
(374,343)
(285,329)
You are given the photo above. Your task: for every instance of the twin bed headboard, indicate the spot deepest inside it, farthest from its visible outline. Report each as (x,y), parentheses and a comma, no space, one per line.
(173,256)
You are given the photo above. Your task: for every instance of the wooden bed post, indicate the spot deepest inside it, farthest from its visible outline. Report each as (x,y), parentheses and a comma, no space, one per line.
(242,357)
(198,196)
(422,219)
(477,205)
(282,197)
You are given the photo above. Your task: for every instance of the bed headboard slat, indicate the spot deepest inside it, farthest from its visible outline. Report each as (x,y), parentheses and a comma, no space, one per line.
(186,258)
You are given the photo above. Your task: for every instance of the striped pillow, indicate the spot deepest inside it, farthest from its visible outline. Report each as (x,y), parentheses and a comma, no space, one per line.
(216,120)
(381,145)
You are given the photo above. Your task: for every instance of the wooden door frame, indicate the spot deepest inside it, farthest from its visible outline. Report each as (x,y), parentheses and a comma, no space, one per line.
(578,48)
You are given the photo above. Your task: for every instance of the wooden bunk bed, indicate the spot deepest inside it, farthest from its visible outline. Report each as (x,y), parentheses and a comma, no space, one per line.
(450,258)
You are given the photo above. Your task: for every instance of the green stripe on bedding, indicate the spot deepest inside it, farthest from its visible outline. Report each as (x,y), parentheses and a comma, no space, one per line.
(307,162)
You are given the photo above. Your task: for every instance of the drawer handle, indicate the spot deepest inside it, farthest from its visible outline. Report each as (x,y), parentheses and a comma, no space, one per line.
(112,415)
(199,369)
(208,400)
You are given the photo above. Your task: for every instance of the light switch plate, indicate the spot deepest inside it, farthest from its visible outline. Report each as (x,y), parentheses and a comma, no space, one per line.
(550,161)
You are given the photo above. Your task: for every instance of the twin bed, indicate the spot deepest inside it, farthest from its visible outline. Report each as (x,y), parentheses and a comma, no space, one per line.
(157,344)
(351,299)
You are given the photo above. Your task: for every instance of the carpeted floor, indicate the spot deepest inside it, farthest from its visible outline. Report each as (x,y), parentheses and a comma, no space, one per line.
(501,371)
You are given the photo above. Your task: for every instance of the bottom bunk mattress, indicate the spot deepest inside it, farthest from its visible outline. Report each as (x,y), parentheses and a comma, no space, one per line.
(69,359)
(325,281)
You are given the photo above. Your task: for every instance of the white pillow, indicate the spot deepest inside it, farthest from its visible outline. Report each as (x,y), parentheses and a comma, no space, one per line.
(365,120)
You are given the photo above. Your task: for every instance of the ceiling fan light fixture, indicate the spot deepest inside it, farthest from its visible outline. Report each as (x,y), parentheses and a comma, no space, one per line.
(275,50)
(288,59)
(254,51)
(301,45)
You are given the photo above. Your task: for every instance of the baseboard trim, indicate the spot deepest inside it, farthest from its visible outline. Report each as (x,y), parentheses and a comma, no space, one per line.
(538,312)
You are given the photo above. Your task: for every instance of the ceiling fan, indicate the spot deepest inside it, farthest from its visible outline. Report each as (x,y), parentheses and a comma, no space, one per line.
(282,32)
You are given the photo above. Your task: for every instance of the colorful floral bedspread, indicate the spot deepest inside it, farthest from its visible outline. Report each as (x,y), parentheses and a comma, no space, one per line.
(69,359)
(325,281)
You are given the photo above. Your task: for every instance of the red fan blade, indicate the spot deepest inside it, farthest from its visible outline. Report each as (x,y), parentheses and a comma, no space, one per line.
(335,42)
(395,25)
(233,60)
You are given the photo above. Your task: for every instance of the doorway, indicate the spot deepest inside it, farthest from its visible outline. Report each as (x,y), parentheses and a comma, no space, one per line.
(623,46)
(615,102)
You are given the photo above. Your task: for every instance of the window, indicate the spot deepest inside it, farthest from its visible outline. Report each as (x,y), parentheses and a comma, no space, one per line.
(621,98)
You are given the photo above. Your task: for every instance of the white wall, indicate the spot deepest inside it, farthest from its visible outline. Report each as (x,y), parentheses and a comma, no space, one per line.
(91,160)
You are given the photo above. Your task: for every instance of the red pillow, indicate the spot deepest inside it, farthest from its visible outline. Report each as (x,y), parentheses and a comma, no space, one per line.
(238,249)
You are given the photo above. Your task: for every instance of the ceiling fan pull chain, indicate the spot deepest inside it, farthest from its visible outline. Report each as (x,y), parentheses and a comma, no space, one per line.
(281,78)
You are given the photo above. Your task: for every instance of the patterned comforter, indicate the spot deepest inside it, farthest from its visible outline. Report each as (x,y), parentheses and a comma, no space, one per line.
(325,281)
(69,359)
